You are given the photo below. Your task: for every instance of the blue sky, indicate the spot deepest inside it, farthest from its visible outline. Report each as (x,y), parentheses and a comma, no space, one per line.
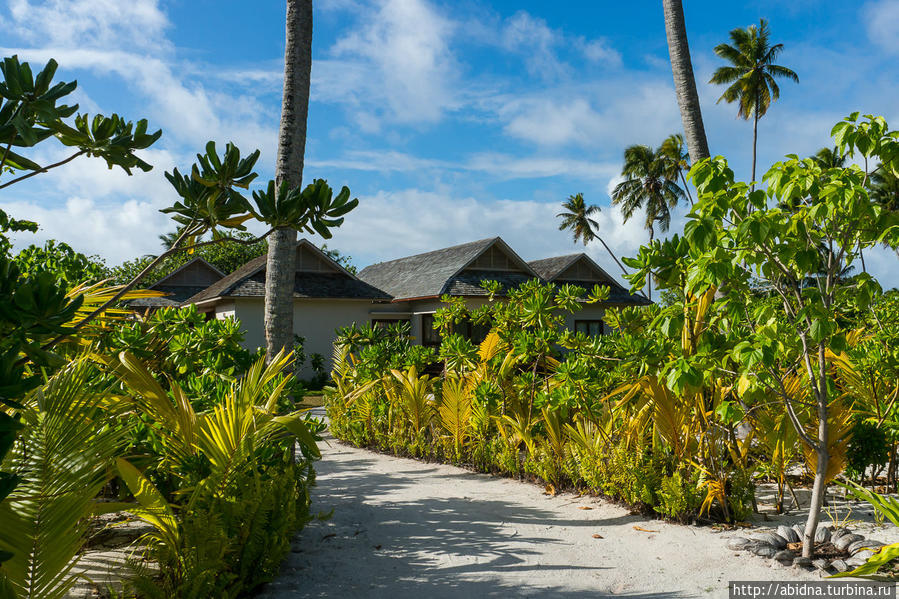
(451,121)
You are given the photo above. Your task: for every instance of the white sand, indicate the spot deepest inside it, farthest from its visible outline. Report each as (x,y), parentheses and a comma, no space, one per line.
(403,528)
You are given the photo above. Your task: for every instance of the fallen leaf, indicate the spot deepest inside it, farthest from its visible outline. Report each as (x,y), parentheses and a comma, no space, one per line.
(550,490)
(584,507)
(597,536)
(641,529)
(328,536)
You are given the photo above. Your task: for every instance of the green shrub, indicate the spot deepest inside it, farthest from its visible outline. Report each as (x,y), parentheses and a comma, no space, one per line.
(679,496)
(868,447)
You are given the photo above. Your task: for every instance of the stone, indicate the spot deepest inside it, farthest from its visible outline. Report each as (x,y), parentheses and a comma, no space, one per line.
(844,541)
(788,533)
(822,535)
(854,548)
(763,550)
(785,556)
(802,562)
(821,564)
(800,532)
(738,543)
(773,539)
(837,533)
(857,546)
(839,565)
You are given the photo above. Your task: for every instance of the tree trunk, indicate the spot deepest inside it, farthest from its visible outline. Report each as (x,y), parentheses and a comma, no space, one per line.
(649,275)
(684,83)
(281,261)
(755,138)
(820,485)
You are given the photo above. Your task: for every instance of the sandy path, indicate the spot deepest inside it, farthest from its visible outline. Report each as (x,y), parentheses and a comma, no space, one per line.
(403,528)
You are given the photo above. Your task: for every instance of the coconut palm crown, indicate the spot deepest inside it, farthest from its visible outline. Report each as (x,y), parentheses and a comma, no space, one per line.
(576,218)
(751,75)
(650,185)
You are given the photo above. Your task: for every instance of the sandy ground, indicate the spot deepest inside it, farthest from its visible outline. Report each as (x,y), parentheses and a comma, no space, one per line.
(403,528)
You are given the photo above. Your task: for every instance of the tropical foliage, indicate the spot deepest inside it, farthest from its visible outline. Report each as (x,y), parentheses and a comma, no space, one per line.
(764,357)
(200,433)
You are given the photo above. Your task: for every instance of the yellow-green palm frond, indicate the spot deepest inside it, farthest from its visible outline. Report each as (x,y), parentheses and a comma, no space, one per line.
(413,393)
(151,506)
(489,347)
(455,410)
(66,452)
(96,295)
(555,432)
(177,419)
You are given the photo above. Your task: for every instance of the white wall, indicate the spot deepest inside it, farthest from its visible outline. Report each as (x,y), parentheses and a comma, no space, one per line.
(315,319)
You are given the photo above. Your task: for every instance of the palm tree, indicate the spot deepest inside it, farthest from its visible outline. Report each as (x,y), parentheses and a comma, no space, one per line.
(168,239)
(281,260)
(751,76)
(883,187)
(829,158)
(684,83)
(673,148)
(649,185)
(576,218)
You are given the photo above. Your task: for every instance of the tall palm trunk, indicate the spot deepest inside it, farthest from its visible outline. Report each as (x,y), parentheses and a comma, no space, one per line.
(684,83)
(652,235)
(755,136)
(281,261)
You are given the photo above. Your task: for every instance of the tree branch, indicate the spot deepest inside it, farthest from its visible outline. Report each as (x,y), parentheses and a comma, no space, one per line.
(44,169)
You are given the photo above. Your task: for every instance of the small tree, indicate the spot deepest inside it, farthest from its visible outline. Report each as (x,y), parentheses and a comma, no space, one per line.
(773,239)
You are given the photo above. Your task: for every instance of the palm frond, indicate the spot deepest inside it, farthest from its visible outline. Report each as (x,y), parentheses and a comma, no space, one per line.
(66,451)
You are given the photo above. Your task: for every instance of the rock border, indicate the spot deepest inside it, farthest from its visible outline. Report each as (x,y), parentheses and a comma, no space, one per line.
(773,545)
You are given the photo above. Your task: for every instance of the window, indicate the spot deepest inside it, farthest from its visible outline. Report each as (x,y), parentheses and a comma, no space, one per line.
(591,328)
(475,333)
(429,335)
(383,323)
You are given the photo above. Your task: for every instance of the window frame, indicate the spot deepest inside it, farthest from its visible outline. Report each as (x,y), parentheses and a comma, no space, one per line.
(587,322)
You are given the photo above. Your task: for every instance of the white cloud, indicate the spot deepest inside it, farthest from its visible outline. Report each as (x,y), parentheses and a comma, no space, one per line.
(536,41)
(540,46)
(496,165)
(117,231)
(91,23)
(599,51)
(630,112)
(382,227)
(882,22)
(396,64)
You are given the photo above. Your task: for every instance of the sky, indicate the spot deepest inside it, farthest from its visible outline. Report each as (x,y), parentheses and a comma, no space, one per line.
(451,121)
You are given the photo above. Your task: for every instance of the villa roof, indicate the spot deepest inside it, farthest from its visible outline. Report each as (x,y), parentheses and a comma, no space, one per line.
(249,281)
(566,269)
(180,284)
(449,270)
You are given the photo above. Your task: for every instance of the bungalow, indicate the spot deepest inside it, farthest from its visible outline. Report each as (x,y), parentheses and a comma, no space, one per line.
(581,270)
(328,297)
(179,286)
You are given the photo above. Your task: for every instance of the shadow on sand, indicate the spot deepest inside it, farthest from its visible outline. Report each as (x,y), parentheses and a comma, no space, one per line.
(426,547)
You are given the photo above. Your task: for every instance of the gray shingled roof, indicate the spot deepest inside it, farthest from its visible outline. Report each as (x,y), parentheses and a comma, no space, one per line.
(550,268)
(434,273)
(469,281)
(249,281)
(176,294)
